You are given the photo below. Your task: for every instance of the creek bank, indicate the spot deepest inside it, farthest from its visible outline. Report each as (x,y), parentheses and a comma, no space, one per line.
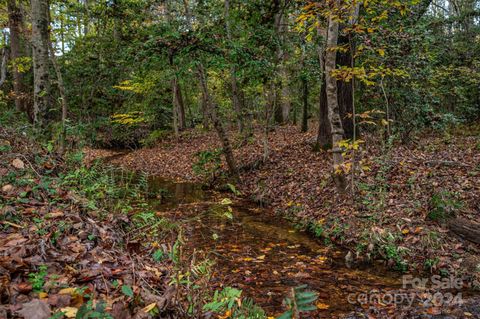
(397,202)
(265,256)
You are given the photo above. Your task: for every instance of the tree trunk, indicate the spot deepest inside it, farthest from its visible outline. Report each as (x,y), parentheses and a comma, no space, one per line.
(237,103)
(63,97)
(3,67)
(211,109)
(178,107)
(465,229)
(283,103)
(304,88)
(324,139)
(175,107)
(86,18)
(182,123)
(305,105)
(332,100)
(117,22)
(15,24)
(345,100)
(41,78)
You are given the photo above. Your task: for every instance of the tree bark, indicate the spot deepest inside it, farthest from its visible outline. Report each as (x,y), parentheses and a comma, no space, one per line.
(63,97)
(211,109)
(332,100)
(86,18)
(345,100)
(17,51)
(324,139)
(304,81)
(40,43)
(182,122)
(237,103)
(283,103)
(465,229)
(305,105)
(175,108)
(3,67)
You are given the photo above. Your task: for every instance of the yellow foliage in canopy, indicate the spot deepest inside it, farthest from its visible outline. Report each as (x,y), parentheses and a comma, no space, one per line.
(130,118)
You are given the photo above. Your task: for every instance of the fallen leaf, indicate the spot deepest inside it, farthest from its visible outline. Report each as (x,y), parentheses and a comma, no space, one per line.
(69,312)
(18,163)
(150,307)
(35,309)
(322,306)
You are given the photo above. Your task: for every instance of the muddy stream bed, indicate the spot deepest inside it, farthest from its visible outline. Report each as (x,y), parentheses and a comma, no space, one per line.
(265,256)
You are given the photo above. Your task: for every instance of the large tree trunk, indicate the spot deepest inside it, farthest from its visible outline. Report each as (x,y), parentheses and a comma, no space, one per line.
(211,109)
(17,51)
(175,108)
(345,101)
(86,18)
(283,103)
(332,99)
(178,107)
(304,81)
(305,105)
(236,101)
(40,43)
(117,21)
(182,122)
(63,97)
(324,139)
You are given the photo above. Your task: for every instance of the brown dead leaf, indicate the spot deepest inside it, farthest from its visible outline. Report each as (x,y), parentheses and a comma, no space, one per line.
(35,309)
(18,163)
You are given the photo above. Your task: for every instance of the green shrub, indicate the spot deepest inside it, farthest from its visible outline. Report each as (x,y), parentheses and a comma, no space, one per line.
(443,206)
(154,137)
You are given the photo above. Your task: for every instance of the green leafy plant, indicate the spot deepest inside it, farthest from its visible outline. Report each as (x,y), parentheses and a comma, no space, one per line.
(89,310)
(208,163)
(127,291)
(443,206)
(229,302)
(300,300)
(37,279)
(159,255)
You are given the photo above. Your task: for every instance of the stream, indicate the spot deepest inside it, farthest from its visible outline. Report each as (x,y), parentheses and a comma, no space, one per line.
(266,256)
(263,254)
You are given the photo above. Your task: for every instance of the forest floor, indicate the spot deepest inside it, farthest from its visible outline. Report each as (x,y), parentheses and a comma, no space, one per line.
(400,209)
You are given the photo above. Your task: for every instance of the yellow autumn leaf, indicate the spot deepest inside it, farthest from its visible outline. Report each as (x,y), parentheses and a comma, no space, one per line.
(42,295)
(226,315)
(69,312)
(405,231)
(381,52)
(322,259)
(322,306)
(67,291)
(262,257)
(150,307)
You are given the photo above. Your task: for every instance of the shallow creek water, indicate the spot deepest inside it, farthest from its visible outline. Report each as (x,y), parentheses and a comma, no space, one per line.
(264,255)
